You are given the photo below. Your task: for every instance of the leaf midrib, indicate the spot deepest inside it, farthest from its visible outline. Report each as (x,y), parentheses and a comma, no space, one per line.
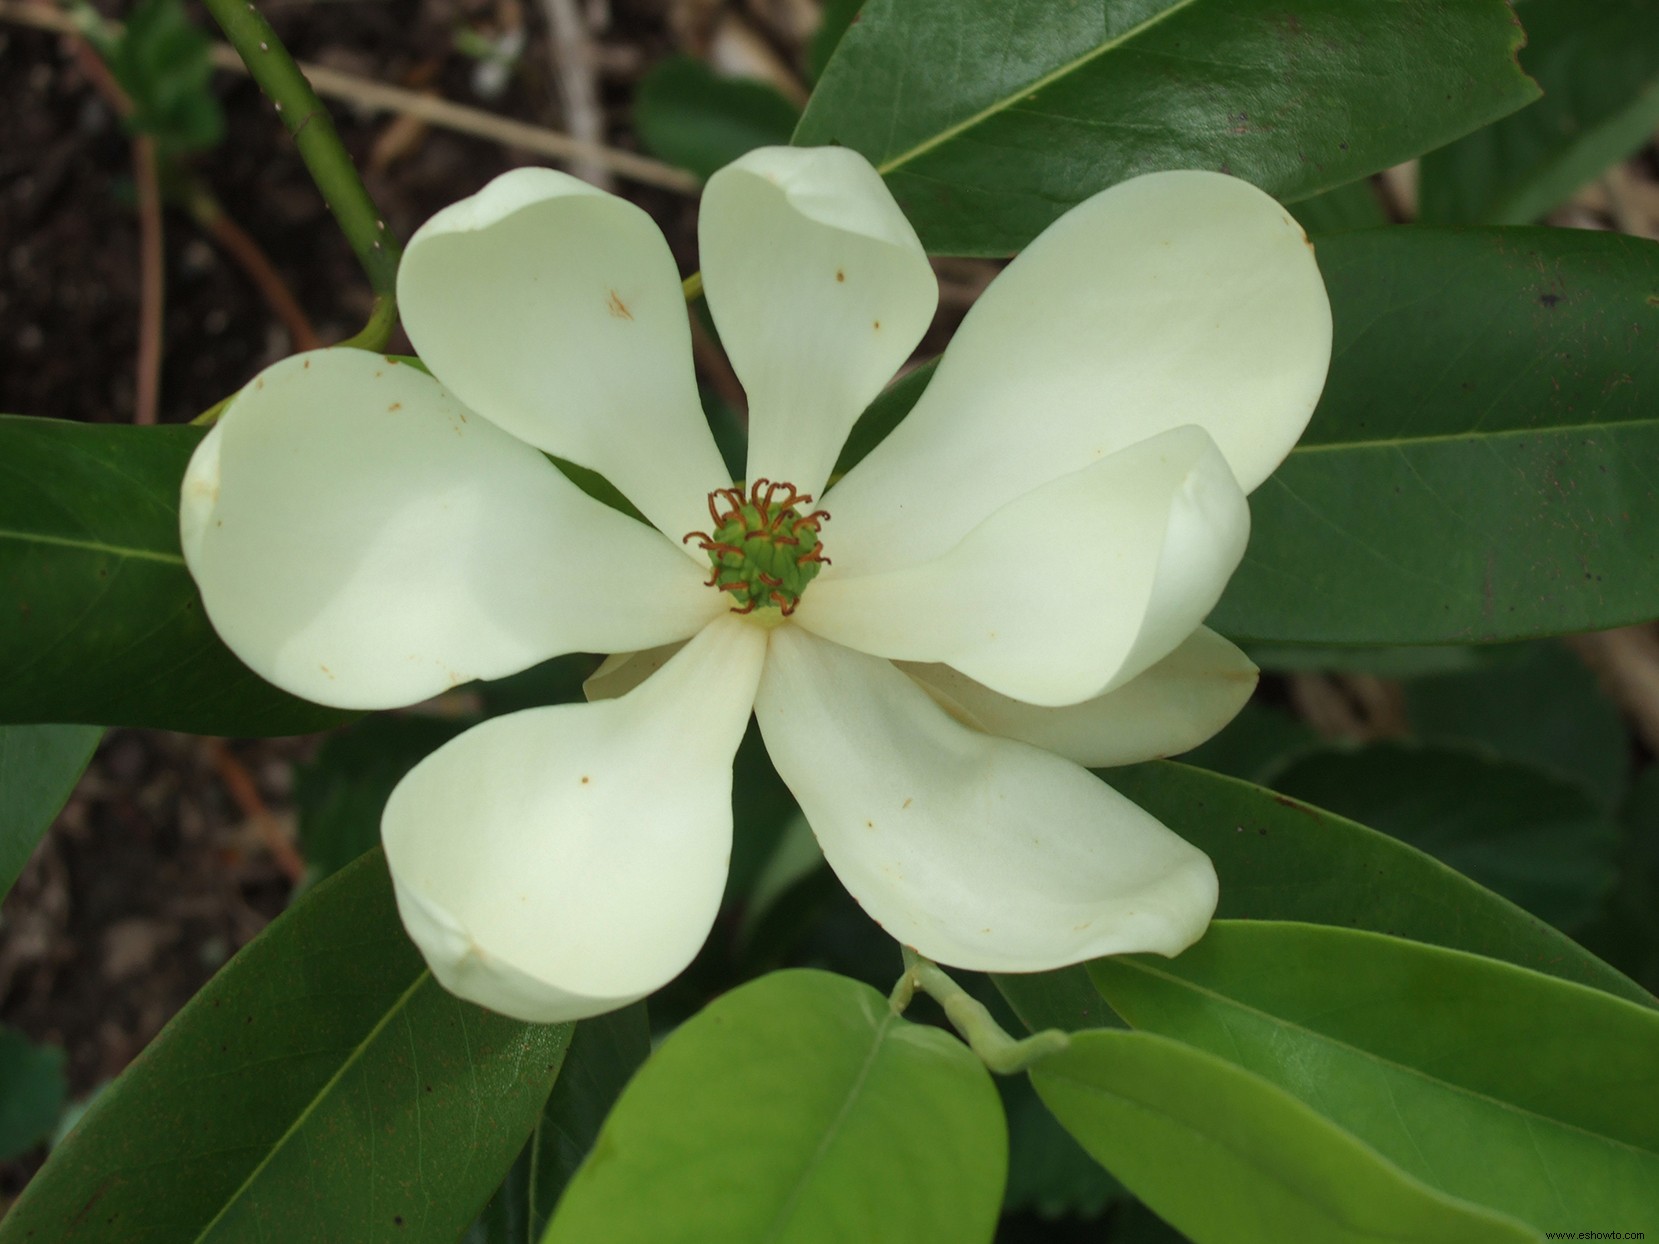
(321,1095)
(1008,101)
(786,1211)
(93,546)
(1405,442)
(1271,1174)
(1526,1112)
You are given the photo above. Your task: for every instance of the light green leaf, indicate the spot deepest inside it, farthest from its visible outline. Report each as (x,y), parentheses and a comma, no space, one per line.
(321,1087)
(604,1054)
(1480,465)
(1049,1173)
(1504,1087)
(39,766)
(694,118)
(1536,839)
(1280,859)
(1599,67)
(1229,1159)
(798,1108)
(106,626)
(32,1091)
(989,121)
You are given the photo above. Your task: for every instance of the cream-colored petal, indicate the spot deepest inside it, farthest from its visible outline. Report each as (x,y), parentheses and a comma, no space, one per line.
(361,539)
(820,290)
(978,851)
(555,310)
(1067,592)
(1174,298)
(1166,710)
(561,862)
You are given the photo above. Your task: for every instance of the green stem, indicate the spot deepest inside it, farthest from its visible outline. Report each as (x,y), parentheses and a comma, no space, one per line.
(693,286)
(378,331)
(1000,1052)
(313,132)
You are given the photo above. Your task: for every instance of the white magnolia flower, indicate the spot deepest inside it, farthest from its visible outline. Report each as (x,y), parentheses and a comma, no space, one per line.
(1012,584)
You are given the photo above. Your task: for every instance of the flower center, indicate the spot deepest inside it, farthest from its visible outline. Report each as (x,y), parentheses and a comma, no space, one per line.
(764,550)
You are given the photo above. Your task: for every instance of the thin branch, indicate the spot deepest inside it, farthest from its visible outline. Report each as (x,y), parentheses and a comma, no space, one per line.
(152,277)
(378,97)
(152,269)
(578,91)
(236,242)
(312,130)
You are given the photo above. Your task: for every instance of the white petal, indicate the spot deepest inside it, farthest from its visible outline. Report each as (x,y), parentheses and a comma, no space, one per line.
(978,851)
(1173,298)
(820,291)
(361,539)
(1172,707)
(1069,591)
(561,862)
(555,310)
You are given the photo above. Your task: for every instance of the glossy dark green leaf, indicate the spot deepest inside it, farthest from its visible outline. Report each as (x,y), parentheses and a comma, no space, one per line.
(1627,932)
(321,1087)
(104,625)
(838,16)
(604,1052)
(1066,999)
(1534,702)
(795,1109)
(32,1091)
(1508,1088)
(1254,744)
(1480,465)
(340,793)
(1538,840)
(694,118)
(1049,1173)
(1599,67)
(1228,1158)
(990,121)
(881,416)
(1354,206)
(1280,859)
(39,766)
(1416,661)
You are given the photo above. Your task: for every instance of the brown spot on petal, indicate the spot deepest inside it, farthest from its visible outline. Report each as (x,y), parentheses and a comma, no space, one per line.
(618,308)
(840,274)
(394,406)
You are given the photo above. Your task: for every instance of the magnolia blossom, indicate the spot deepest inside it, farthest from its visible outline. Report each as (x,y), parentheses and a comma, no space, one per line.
(1009,588)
